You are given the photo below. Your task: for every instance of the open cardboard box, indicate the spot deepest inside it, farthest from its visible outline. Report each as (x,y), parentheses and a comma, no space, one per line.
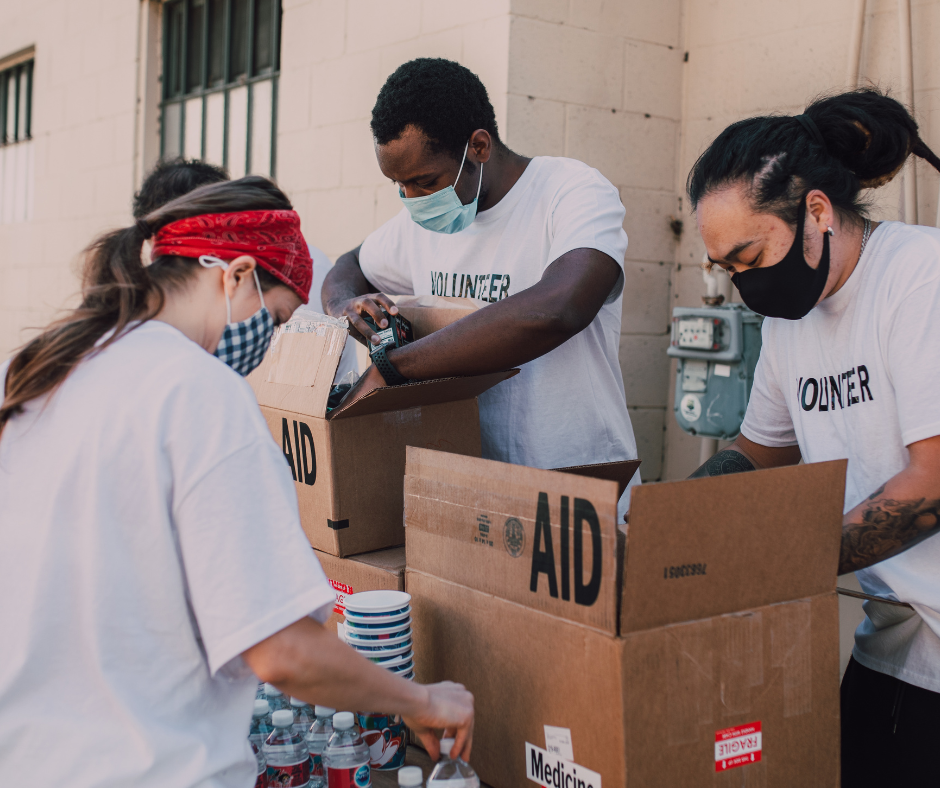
(348,465)
(710,658)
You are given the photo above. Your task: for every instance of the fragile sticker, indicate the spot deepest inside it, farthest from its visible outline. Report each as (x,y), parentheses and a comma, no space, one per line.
(342,591)
(544,768)
(737,746)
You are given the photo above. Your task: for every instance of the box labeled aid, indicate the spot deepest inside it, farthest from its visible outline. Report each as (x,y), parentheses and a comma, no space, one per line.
(343,510)
(707,655)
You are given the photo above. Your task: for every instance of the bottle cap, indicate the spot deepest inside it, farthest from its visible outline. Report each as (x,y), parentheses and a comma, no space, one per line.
(270,689)
(410,776)
(262,707)
(343,720)
(446,746)
(323,711)
(298,702)
(283,718)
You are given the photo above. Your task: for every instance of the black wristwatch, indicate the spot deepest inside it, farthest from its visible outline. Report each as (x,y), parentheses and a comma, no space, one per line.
(386,370)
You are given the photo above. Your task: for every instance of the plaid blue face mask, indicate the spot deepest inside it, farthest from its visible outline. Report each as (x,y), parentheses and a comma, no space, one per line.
(243,344)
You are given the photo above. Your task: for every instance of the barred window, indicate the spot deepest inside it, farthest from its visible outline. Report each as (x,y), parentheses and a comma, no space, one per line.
(16,103)
(16,133)
(221,60)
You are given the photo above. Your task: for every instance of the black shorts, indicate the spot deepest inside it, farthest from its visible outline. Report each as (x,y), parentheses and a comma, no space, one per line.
(890,731)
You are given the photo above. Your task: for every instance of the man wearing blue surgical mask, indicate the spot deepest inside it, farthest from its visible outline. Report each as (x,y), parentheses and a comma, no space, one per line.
(539,242)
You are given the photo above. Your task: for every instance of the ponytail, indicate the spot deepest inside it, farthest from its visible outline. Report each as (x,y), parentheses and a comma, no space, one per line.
(119,292)
(864,137)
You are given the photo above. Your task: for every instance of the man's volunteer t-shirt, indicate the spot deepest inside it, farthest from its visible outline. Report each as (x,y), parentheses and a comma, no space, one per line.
(150,535)
(568,406)
(857,378)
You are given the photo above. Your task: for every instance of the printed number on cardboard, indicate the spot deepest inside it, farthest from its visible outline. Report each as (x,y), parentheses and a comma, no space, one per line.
(737,746)
(546,769)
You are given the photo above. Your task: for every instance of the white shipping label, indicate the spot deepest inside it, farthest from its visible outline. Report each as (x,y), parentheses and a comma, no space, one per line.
(546,769)
(558,742)
(722,370)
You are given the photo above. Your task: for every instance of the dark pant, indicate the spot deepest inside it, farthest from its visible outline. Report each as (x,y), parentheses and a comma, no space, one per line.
(890,731)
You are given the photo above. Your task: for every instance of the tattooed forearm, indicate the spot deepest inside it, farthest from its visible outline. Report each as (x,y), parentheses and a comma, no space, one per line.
(724,462)
(887,527)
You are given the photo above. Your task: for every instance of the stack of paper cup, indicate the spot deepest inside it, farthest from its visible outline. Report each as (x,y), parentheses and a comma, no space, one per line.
(378,626)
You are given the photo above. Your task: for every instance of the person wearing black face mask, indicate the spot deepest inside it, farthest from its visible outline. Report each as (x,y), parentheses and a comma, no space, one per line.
(849,368)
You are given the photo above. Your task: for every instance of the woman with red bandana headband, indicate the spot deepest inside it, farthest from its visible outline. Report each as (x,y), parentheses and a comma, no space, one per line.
(153,565)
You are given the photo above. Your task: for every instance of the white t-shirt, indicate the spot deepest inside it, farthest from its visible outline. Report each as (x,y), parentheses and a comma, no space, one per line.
(568,406)
(321,267)
(857,378)
(150,535)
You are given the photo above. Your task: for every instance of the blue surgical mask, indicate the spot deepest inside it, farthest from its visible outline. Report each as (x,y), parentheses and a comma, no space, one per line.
(243,344)
(442,212)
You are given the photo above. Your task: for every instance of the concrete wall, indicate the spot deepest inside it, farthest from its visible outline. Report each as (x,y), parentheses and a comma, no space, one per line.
(601,82)
(83,123)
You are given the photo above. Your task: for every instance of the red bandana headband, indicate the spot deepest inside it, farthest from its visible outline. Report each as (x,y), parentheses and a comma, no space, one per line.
(273,238)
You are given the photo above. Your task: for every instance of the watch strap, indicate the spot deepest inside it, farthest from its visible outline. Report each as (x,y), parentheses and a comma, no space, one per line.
(386,369)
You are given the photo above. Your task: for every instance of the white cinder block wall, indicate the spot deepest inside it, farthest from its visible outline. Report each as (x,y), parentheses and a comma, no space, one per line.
(83,120)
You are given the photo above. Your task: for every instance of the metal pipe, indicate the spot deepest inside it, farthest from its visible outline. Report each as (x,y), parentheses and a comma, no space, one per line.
(907,91)
(854,63)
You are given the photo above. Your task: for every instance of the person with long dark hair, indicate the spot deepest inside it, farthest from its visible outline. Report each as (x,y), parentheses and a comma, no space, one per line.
(849,368)
(153,564)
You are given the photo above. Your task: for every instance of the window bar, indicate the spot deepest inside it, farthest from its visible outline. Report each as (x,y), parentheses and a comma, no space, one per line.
(3,107)
(276,37)
(250,72)
(204,81)
(16,104)
(226,75)
(184,75)
(274,82)
(29,100)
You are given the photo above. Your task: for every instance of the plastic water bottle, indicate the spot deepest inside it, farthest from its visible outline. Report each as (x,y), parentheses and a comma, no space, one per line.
(410,777)
(261,781)
(259,694)
(261,726)
(303,715)
(275,698)
(346,756)
(286,753)
(452,774)
(317,738)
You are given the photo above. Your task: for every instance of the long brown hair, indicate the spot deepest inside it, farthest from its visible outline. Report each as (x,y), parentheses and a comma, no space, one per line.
(117,289)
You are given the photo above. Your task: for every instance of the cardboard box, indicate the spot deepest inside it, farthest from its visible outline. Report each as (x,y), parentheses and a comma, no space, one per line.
(713,662)
(379,571)
(348,465)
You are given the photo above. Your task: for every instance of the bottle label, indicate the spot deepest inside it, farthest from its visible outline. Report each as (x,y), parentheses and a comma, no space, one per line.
(261,781)
(292,775)
(353,777)
(316,766)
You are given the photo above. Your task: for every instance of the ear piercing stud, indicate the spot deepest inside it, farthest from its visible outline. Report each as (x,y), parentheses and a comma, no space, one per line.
(829,231)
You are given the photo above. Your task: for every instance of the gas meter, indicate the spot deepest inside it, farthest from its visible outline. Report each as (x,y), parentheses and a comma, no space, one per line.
(717,349)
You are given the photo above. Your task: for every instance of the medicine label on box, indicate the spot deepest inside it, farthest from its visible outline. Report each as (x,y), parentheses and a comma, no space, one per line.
(737,746)
(546,769)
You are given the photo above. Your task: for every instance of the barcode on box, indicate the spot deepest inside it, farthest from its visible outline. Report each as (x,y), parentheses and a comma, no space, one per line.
(737,746)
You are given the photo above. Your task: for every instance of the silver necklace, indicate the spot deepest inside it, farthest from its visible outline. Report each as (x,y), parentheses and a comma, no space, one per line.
(865,236)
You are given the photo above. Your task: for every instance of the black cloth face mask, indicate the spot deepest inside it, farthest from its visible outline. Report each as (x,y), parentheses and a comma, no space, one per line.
(789,289)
